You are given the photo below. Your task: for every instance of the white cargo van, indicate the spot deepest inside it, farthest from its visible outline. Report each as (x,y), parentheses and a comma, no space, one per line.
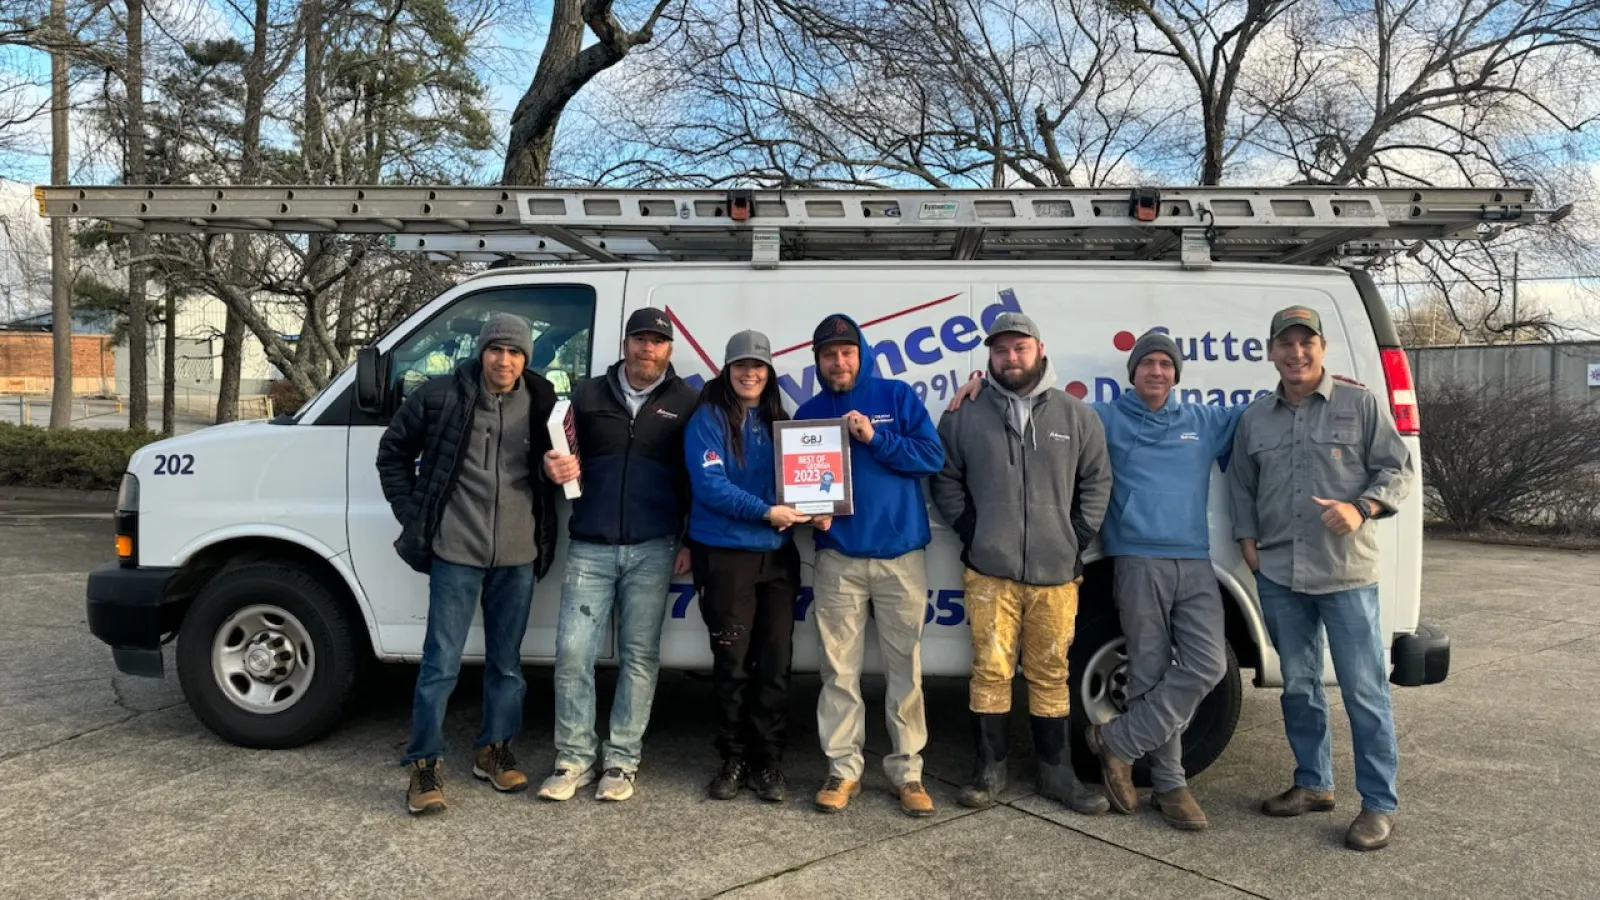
(265,547)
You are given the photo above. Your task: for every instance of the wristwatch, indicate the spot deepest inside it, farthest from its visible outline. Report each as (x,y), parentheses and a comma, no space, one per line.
(1361,507)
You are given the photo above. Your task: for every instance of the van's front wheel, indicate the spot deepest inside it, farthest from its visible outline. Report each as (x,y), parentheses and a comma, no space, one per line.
(1098,663)
(266,658)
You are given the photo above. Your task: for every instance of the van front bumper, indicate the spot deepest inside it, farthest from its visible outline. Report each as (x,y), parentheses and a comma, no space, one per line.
(1420,658)
(130,609)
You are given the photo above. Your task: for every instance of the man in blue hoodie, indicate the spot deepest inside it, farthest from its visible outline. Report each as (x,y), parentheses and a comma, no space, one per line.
(1167,598)
(876,556)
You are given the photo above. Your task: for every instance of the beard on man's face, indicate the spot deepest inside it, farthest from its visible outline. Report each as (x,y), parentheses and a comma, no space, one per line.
(1019,381)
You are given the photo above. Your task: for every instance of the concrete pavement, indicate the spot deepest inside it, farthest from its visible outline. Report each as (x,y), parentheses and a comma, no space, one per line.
(112,788)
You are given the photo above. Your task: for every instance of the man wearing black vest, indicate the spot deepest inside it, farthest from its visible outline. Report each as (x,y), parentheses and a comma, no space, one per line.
(626,544)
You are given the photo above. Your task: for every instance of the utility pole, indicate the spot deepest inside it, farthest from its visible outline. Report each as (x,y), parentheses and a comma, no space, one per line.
(1515,255)
(60,256)
(138,244)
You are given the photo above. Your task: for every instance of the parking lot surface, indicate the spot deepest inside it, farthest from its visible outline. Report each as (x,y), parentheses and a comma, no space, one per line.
(109,787)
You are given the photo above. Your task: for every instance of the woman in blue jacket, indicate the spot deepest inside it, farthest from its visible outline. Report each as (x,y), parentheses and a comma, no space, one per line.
(746,567)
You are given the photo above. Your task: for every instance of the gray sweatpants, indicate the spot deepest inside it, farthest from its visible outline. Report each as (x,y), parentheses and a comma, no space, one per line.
(1171,614)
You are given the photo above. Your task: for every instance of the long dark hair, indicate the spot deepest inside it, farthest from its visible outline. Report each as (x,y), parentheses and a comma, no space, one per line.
(720,395)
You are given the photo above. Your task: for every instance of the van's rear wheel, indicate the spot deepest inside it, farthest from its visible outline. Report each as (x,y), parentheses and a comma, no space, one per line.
(1098,661)
(266,657)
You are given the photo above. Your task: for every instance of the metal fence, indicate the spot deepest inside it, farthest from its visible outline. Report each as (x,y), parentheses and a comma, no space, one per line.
(1564,369)
(194,409)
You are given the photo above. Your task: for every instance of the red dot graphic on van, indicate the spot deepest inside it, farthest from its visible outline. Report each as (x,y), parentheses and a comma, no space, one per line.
(1124,341)
(1078,389)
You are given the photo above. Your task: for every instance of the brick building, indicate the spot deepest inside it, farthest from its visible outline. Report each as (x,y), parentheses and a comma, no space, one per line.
(27,363)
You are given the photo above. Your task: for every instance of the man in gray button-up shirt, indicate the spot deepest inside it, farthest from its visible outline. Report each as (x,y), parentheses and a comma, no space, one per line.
(1313,464)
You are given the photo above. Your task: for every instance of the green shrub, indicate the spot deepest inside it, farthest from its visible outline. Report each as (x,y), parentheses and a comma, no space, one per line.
(81,459)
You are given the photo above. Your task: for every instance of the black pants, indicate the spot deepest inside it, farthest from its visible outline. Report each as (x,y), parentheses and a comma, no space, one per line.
(747,598)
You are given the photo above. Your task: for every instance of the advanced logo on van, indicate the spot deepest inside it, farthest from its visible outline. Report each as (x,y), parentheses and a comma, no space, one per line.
(924,347)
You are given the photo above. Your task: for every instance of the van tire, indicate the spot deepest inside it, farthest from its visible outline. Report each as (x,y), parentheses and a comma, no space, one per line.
(285,621)
(1203,741)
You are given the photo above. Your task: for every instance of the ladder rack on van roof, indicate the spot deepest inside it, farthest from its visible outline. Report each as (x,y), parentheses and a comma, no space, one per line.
(1290,225)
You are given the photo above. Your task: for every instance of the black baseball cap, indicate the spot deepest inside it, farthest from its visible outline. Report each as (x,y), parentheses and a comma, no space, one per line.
(649,319)
(835,329)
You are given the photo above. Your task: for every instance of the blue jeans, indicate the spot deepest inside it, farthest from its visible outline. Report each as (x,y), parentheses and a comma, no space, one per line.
(453,593)
(1295,622)
(633,578)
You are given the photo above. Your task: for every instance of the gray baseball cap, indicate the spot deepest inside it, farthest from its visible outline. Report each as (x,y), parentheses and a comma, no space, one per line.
(1016,323)
(748,345)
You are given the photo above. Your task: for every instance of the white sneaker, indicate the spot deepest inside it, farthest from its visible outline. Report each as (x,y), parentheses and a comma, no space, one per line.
(563,783)
(615,784)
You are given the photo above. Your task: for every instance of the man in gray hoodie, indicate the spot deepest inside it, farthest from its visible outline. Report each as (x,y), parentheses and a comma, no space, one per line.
(1025,485)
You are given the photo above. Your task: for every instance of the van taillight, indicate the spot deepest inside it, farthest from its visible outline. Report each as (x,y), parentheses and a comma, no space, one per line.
(1402,392)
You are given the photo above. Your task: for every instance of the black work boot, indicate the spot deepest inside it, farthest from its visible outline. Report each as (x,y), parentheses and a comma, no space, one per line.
(988,782)
(1056,778)
(726,785)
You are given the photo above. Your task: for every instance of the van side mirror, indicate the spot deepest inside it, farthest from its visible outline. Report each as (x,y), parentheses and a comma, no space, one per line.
(369,381)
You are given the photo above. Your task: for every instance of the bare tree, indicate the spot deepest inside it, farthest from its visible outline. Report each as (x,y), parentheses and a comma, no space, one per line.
(256,78)
(60,258)
(1448,91)
(1463,314)
(946,93)
(1212,42)
(565,66)
(138,246)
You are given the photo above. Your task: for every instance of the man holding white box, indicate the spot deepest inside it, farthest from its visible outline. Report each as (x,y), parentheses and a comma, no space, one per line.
(626,535)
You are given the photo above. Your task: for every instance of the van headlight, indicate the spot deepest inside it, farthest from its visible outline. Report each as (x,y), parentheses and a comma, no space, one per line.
(128,493)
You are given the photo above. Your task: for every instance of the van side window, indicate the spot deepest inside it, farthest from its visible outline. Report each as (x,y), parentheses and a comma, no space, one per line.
(560,316)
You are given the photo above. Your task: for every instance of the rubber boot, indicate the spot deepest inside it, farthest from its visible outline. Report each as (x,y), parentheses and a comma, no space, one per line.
(1056,778)
(988,782)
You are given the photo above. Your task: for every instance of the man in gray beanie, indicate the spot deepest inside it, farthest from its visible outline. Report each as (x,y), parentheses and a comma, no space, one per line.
(1155,531)
(1162,451)
(478,519)
(1155,342)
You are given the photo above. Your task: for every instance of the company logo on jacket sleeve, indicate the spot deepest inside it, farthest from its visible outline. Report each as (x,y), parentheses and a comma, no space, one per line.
(709,459)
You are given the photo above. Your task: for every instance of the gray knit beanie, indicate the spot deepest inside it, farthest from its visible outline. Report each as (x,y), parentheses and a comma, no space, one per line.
(1156,342)
(504,328)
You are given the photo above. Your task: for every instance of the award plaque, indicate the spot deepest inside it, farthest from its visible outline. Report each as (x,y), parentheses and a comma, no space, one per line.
(813,468)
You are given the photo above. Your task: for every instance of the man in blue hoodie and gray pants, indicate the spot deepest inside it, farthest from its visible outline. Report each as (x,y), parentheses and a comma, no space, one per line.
(876,556)
(1167,598)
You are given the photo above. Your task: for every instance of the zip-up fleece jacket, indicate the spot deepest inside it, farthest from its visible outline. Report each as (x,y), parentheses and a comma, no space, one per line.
(1024,505)
(488,520)
(435,424)
(1163,463)
(731,498)
(635,488)
(891,516)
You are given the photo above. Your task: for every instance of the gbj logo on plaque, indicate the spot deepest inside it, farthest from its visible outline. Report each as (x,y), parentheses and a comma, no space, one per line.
(814,467)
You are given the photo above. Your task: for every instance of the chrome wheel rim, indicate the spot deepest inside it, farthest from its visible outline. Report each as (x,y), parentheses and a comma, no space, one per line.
(1103,686)
(262,659)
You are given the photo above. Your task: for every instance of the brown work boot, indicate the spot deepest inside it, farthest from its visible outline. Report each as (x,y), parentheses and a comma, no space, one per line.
(1370,831)
(1116,776)
(836,793)
(426,794)
(914,800)
(1297,801)
(495,764)
(1179,808)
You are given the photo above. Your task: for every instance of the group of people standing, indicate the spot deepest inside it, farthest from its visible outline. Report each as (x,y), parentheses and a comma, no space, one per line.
(676,481)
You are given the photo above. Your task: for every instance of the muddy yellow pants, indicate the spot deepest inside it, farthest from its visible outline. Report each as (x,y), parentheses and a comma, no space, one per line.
(1007,616)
